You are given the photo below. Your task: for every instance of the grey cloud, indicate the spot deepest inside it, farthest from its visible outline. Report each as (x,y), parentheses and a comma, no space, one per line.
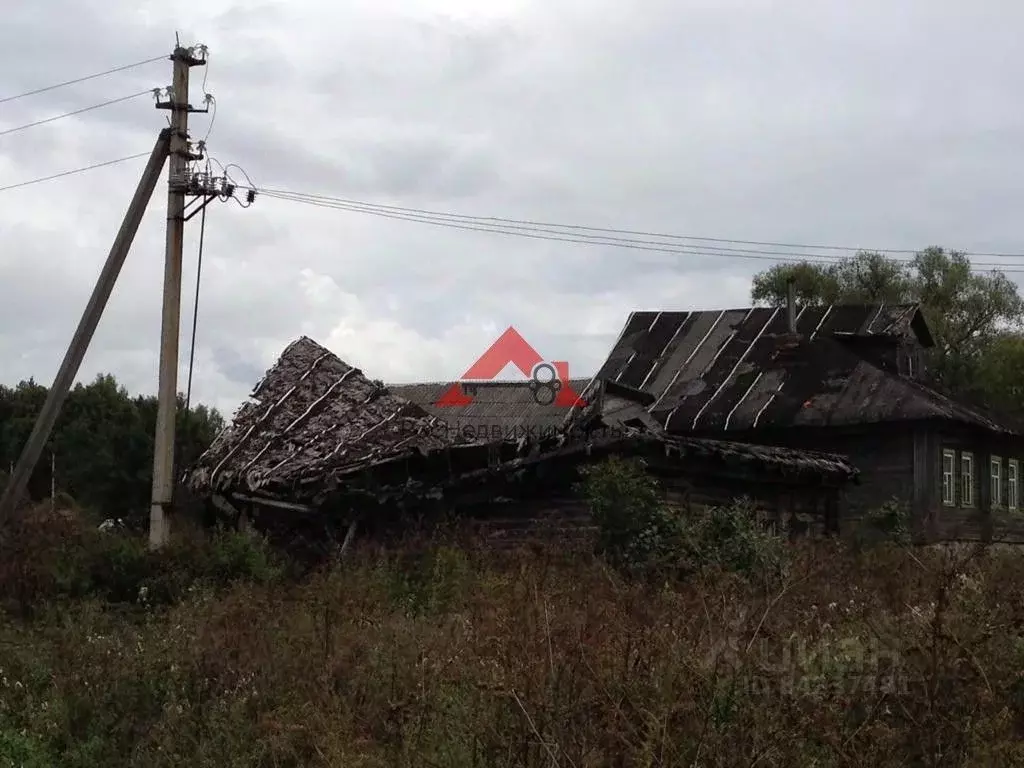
(861,124)
(237,368)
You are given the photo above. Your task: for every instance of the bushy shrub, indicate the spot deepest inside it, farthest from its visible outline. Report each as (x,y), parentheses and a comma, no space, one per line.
(640,533)
(890,522)
(732,538)
(637,532)
(427,581)
(55,557)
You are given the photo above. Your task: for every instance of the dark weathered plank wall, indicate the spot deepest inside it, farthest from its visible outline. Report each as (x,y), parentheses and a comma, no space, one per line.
(982,521)
(885,457)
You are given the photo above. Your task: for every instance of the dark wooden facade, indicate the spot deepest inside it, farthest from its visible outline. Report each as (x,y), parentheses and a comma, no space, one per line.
(956,483)
(321,447)
(537,498)
(847,379)
(967,484)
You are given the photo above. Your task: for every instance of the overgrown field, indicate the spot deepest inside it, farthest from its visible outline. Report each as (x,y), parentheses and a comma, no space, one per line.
(213,654)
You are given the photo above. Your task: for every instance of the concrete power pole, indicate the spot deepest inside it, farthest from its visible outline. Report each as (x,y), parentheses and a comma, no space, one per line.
(177,186)
(65,377)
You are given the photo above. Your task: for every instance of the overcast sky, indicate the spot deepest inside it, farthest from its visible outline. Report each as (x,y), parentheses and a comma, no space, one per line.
(868,123)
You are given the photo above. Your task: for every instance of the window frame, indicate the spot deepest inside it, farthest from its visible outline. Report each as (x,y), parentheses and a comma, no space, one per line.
(950,500)
(1012,498)
(966,487)
(995,481)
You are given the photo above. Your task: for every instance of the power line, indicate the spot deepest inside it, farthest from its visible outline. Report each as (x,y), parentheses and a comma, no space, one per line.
(75,112)
(81,79)
(548,232)
(544,234)
(611,230)
(565,230)
(73,171)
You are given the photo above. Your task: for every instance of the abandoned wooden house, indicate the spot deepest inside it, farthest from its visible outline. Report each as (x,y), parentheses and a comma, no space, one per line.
(846,378)
(319,445)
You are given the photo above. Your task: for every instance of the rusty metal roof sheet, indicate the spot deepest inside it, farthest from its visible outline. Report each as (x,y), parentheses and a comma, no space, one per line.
(740,369)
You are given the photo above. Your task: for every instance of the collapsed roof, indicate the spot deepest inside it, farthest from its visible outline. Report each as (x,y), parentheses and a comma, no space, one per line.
(315,424)
(313,416)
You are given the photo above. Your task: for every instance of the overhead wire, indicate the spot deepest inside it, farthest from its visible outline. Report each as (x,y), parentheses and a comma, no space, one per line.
(82,79)
(74,171)
(75,112)
(570,233)
(535,233)
(577,233)
(212,101)
(554,229)
(612,230)
(208,97)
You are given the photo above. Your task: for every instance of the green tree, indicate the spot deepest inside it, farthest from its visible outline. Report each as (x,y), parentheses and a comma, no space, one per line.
(866,278)
(1000,373)
(969,314)
(102,443)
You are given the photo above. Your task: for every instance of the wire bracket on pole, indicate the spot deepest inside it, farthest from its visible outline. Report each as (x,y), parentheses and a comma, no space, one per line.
(189,57)
(203,188)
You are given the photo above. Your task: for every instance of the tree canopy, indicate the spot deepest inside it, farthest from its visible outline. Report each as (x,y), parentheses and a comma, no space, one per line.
(102,444)
(976,319)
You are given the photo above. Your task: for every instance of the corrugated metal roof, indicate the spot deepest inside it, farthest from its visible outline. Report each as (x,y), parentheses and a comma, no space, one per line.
(740,369)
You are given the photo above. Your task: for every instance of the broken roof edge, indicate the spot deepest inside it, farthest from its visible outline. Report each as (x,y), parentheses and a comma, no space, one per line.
(270,416)
(831,467)
(606,412)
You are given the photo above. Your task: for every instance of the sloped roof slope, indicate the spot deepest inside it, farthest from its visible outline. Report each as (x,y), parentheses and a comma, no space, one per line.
(741,369)
(311,416)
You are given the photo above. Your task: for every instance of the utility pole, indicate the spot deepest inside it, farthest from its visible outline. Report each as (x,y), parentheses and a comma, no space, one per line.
(167,392)
(65,377)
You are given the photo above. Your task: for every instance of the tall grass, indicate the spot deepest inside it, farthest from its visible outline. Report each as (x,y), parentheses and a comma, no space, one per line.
(459,657)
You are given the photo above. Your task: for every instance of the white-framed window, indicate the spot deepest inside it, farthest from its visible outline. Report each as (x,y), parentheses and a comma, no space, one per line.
(949,477)
(966,479)
(1012,469)
(996,480)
